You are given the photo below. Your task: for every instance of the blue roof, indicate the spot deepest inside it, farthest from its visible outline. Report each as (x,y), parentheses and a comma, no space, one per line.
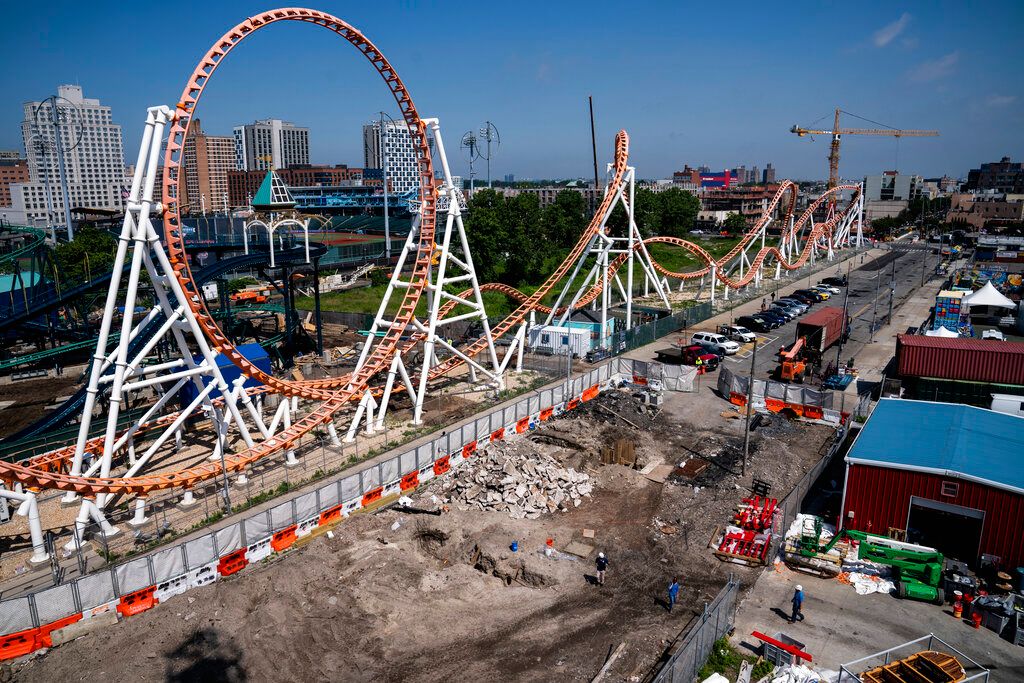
(944,438)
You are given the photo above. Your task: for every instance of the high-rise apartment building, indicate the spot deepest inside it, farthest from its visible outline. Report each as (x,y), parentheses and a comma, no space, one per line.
(270,144)
(1001,176)
(93,158)
(207,160)
(403,167)
(892,186)
(768,177)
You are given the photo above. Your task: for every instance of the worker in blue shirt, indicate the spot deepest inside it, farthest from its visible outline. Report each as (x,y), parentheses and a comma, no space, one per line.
(798,603)
(602,566)
(673,591)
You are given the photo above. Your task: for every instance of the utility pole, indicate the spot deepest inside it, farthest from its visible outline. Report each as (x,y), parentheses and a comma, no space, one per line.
(593,147)
(750,404)
(382,148)
(874,305)
(846,324)
(892,288)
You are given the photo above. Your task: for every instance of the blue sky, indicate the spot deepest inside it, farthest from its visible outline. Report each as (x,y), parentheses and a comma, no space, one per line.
(714,83)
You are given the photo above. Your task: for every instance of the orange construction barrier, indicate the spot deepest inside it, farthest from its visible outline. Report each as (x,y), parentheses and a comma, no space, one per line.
(737,398)
(498,434)
(139,601)
(640,379)
(522,425)
(469,449)
(814,412)
(44,638)
(373,496)
(330,515)
(410,481)
(572,404)
(591,393)
(284,538)
(232,562)
(774,405)
(442,465)
(545,414)
(18,644)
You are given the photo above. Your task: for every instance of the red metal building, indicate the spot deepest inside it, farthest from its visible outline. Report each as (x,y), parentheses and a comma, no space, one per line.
(944,475)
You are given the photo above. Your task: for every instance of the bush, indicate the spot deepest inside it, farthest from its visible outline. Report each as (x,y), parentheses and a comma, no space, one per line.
(379,277)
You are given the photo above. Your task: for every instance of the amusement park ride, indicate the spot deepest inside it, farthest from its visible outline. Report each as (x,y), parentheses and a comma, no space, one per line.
(134,459)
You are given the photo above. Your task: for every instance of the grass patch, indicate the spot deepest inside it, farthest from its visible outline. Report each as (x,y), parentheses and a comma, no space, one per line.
(726,660)
(680,260)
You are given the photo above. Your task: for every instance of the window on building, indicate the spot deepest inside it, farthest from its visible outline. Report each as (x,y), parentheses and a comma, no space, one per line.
(950,488)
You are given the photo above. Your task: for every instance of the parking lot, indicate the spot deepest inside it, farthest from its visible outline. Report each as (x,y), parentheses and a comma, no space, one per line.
(873,283)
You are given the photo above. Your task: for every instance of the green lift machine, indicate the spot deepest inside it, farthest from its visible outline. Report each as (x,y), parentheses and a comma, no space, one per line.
(917,569)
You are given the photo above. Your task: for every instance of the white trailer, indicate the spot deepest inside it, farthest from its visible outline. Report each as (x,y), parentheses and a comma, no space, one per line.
(558,340)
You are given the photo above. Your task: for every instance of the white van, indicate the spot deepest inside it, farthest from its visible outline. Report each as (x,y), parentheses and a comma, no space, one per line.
(716,343)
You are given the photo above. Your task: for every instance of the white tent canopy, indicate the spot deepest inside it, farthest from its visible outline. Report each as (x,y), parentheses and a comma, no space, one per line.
(941,332)
(989,296)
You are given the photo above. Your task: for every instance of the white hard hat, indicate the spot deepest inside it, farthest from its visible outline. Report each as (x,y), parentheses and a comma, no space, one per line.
(600,554)
(799,587)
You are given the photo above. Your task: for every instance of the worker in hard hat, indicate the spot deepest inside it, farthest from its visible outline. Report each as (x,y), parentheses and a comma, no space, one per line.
(798,603)
(602,566)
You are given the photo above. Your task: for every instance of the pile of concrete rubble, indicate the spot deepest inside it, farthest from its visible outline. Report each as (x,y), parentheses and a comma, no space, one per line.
(515,479)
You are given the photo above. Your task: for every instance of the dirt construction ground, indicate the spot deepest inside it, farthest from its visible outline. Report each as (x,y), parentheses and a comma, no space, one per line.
(399,596)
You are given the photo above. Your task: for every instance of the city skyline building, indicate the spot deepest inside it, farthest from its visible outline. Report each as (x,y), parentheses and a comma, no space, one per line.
(402,162)
(768,175)
(93,157)
(207,160)
(11,171)
(267,144)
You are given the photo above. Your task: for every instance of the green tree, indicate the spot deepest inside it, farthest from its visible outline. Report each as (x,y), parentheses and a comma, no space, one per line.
(524,239)
(647,212)
(91,253)
(679,211)
(565,218)
(486,232)
(735,223)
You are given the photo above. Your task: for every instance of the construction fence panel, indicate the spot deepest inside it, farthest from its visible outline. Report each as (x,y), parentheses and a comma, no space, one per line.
(305,507)
(201,551)
(281,516)
(168,563)
(56,603)
(94,590)
(256,528)
(390,468)
(15,615)
(229,539)
(407,463)
(371,479)
(350,488)
(133,576)
(328,495)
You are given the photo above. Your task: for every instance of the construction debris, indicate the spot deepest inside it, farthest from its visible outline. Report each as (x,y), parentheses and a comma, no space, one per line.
(513,478)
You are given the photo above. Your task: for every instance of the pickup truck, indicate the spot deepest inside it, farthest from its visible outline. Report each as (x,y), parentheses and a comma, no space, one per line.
(689,355)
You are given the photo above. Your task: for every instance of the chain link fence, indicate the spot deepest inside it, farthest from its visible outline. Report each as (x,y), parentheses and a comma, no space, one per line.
(687,656)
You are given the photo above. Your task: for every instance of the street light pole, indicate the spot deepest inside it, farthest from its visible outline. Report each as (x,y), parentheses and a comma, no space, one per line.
(892,288)
(63,171)
(874,305)
(846,324)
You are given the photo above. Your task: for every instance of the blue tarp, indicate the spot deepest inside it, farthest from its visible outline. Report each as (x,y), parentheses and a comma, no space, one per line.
(256,355)
(975,443)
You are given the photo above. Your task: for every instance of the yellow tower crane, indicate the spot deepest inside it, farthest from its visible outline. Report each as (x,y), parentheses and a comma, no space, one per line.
(837,133)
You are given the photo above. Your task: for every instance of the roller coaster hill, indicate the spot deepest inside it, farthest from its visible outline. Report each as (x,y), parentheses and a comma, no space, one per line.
(129,417)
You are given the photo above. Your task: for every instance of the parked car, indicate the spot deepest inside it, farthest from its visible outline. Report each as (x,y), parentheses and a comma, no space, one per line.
(753,322)
(737,333)
(792,311)
(836,281)
(804,299)
(800,306)
(822,291)
(781,310)
(716,343)
(693,354)
(812,294)
(832,289)
(774,317)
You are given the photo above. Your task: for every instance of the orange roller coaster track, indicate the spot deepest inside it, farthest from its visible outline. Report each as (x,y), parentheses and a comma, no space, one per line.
(50,471)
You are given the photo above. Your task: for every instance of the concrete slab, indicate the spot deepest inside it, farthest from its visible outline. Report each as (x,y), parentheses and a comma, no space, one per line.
(841,626)
(80,628)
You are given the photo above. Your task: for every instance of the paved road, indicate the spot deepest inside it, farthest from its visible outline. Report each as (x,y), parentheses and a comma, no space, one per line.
(869,299)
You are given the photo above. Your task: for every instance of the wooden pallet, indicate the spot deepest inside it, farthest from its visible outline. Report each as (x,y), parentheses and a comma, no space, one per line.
(923,667)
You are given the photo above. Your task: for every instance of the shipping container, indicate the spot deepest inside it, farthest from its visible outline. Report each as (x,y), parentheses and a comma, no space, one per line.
(822,329)
(972,360)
